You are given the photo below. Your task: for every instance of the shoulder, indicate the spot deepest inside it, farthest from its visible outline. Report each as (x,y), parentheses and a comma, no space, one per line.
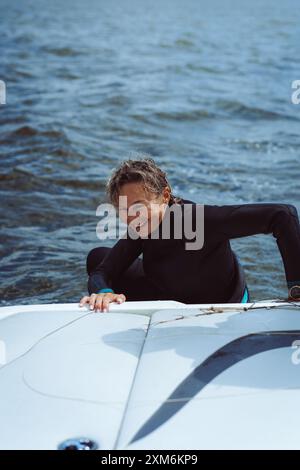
(191,208)
(204,219)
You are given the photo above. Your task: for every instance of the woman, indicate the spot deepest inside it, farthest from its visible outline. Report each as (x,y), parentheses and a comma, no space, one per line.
(168,270)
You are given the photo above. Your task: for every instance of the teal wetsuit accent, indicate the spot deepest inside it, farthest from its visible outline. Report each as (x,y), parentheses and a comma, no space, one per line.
(101,291)
(245,296)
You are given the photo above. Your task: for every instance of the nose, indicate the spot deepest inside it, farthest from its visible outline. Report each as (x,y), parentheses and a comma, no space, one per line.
(130,219)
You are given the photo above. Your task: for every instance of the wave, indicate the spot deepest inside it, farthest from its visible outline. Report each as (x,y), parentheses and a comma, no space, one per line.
(61,51)
(192,115)
(250,112)
(29,131)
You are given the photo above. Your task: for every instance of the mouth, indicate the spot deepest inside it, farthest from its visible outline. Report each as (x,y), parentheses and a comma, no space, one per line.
(142,224)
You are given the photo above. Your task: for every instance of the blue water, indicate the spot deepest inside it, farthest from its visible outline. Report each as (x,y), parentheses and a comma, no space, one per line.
(203,86)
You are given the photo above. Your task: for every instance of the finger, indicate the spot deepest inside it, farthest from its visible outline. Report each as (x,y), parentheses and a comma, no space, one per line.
(93,299)
(105,304)
(84,300)
(120,299)
(98,304)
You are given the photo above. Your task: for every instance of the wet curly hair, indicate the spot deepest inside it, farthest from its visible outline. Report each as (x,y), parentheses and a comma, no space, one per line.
(142,170)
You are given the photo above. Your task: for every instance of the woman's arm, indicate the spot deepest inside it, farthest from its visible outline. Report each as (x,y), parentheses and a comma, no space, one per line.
(234,221)
(118,259)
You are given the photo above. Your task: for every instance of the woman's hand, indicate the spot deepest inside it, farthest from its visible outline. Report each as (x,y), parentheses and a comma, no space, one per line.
(100,302)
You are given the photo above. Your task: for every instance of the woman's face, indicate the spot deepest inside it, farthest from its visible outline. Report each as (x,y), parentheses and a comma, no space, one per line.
(144,211)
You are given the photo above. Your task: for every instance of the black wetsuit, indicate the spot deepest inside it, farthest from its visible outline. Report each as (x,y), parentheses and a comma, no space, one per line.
(212,273)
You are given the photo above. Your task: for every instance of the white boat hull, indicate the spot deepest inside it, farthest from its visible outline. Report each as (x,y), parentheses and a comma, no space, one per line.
(151,375)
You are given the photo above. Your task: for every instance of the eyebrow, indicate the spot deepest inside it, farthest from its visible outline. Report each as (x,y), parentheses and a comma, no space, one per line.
(139,200)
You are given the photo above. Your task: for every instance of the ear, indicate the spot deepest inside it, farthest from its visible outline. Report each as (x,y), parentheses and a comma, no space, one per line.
(166,194)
